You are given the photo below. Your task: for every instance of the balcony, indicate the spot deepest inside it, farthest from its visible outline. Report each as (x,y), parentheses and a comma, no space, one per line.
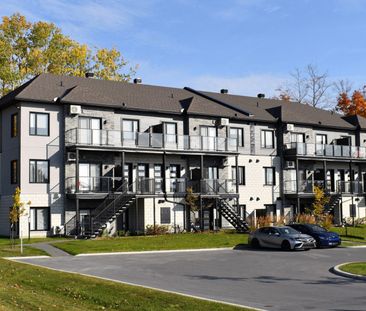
(134,140)
(146,186)
(307,186)
(332,151)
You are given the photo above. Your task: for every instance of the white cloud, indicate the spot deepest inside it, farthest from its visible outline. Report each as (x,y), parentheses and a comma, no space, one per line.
(81,19)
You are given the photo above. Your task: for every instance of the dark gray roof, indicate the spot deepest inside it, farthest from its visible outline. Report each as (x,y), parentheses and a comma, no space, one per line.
(289,112)
(142,97)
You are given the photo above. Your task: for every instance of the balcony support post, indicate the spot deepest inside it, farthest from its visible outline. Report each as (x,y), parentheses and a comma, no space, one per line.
(297,185)
(77,223)
(123,167)
(164,174)
(325,175)
(237,175)
(351,177)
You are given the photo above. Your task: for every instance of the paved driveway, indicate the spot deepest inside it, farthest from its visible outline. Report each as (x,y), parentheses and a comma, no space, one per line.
(272,280)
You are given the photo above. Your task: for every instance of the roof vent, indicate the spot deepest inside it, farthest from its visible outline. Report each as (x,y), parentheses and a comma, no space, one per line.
(89,74)
(137,80)
(224,91)
(261,95)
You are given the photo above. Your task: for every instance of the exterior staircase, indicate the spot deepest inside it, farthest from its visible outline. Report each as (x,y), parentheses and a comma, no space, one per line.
(333,202)
(228,212)
(113,205)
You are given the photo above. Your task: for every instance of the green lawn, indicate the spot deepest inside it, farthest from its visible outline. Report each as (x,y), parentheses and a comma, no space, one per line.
(354,234)
(159,242)
(8,250)
(25,287)
(355,268)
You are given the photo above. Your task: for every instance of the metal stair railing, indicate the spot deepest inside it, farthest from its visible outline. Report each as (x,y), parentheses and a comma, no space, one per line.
(70,226)
(108,210)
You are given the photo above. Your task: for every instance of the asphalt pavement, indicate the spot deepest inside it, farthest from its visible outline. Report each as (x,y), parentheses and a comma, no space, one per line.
(266,279)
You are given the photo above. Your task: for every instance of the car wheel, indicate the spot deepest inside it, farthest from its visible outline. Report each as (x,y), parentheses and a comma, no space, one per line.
(255,243)
(286,245)
(318,245)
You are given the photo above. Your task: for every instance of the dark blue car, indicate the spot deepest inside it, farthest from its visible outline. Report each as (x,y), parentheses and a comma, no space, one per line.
(323,237)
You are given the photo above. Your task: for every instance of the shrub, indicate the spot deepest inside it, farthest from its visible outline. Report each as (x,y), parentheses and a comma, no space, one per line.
(305,219)
(157,229)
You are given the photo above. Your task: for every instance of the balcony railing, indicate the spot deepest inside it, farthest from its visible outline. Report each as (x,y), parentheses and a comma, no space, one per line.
(350,187)
(114,138)
(307,186)
(150,185)
(317,150)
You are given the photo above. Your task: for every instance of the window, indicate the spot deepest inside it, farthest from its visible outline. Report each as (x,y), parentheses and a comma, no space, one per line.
(39,218)
(14,172)
(38,171)
(267,139)
(269,175)
(165,215)
(170,132)
(237,134)
(241,176)
(14,125)
(39,124)
(130,129)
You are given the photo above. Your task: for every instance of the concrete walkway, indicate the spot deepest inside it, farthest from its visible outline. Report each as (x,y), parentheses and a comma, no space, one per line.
(49,249)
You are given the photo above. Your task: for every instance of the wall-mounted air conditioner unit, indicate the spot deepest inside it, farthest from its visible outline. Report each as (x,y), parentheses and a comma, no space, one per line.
(290,164)
(290,127)
(223,122)
(75,109)
(71,156)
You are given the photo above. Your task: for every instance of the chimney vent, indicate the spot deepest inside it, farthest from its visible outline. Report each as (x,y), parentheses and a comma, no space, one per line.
(89,75)
(261,95)
(137,80)
(224,91)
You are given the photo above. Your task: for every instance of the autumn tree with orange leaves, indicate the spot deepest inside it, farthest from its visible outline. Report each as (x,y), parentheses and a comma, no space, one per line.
(356,105)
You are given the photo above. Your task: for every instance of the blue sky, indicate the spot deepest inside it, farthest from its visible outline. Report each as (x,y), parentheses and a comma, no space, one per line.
(246,46)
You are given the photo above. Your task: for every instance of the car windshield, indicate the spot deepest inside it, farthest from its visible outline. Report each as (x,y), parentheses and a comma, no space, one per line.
(316,228)
(288,230)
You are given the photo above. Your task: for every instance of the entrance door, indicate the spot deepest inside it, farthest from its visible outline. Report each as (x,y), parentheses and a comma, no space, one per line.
(208,134)
(127,174)
(143,178)
(158,177)
(89,177)
(212,179)
(174,171)
(90,131)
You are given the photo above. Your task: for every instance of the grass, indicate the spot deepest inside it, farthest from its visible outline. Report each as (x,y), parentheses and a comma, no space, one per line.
(355,268)
(9,250)
(25,287)
(355,235)
(159,242)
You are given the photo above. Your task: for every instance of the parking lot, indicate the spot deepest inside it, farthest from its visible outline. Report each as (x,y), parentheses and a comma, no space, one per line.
(266,279)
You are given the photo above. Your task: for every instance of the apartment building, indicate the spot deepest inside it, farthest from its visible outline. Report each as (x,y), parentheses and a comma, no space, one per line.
(98,156)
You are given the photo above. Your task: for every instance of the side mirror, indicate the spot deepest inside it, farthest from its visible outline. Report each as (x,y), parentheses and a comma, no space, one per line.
(277,234)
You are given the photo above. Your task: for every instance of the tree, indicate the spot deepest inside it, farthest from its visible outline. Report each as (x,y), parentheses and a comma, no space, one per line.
(28,49)
(356,105)
(320,200)
(307,86)
(17,210)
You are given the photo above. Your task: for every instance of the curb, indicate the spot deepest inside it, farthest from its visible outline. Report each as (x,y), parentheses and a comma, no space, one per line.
(336,270)
(27,257)
(157,252)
